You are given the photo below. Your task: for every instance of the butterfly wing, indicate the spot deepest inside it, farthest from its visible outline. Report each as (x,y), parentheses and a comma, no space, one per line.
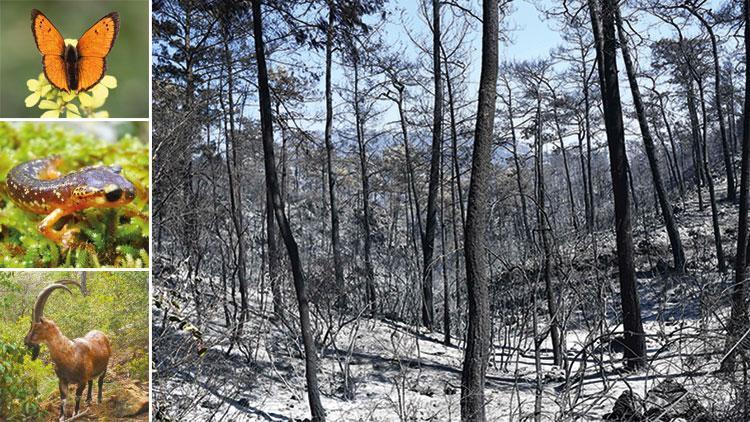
(52,46)
(56,71)
(90,72)
(93,48)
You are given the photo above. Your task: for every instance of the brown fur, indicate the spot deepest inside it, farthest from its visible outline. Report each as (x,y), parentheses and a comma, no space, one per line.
(77,361)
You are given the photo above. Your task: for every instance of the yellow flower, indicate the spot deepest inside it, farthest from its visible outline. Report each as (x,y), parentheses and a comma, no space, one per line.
(57,102)
(39,88)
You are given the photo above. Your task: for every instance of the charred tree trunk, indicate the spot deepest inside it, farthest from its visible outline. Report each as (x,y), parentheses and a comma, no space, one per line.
(695,132)
(457,259)
(428,241)
(407,154)
(721,263)
(568,183)
(274,263)
(517,164)
(190,223)
(728,162)
(478,336)
(584,179)
(272,185)
(588,184)
(235,188)
(604,35)
(738,319)
(443,267)
(675,157)
(454,144)
(370,297)
(731,111)
(678,255)
(672,162)
(544,229)
(338,266)
(456,195)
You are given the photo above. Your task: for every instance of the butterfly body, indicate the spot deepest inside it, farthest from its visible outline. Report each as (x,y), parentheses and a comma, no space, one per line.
(79,67)
(71,65)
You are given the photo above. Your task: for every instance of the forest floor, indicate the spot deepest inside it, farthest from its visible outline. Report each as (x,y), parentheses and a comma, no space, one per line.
(401,372)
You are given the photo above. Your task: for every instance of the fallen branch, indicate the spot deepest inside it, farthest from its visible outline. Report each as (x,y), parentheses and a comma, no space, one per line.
(77,416)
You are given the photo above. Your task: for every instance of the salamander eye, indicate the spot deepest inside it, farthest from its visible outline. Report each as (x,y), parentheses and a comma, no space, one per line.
(113,193)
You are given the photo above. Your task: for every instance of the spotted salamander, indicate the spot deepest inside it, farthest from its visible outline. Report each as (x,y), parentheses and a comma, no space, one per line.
(37,186)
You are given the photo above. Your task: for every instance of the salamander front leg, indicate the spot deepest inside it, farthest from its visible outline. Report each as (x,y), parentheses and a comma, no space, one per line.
(64,236)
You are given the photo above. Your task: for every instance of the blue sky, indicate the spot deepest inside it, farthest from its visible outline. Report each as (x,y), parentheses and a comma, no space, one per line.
(532,36)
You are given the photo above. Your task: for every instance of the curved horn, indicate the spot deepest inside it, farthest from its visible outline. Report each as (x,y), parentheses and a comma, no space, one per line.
(41,300)
(69,282)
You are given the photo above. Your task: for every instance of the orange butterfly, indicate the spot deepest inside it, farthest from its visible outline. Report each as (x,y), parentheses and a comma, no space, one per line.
(77,68)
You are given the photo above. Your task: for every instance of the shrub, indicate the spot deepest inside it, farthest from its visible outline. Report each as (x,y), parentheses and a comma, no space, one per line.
(19,380)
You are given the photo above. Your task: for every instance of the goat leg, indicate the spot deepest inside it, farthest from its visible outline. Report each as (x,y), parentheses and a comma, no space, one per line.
(79,393)
(88,396)
(63,396)
(101,382)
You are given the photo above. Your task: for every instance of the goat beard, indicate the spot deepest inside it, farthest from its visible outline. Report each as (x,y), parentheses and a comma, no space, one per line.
(34,351)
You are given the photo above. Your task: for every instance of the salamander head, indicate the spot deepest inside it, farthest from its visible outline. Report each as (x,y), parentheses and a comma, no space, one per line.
(104,187)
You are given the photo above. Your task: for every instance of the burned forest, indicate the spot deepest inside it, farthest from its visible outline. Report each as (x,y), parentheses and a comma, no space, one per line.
(449,210)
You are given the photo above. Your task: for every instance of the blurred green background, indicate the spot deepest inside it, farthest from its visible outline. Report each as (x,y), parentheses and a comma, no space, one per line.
(128,61)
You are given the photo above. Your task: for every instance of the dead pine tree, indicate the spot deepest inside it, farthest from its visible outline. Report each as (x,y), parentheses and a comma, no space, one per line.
(673,233)
(478,330)
(738,320)
(428,240)
(701,14)
(603,25)
(338,266)
(272,184)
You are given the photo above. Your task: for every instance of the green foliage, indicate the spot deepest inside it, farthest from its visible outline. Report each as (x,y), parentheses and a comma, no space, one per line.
(117,305)
(20,378)
(138,368)
(108,237)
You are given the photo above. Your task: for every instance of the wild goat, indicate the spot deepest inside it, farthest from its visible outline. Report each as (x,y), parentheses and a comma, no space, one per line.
(76,361)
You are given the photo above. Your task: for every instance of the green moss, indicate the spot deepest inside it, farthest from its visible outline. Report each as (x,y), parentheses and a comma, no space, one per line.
(108,237)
